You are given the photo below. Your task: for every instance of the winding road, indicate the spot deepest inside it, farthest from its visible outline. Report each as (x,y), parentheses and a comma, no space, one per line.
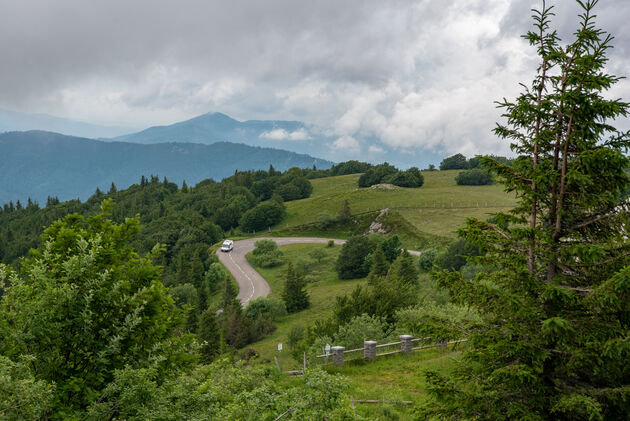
(251,284)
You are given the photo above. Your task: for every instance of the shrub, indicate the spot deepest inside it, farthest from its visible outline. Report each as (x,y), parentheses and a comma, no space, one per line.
(361,328)
(455,162)
(474,177)
(351,261)
(267,307)
(324,220)
(266,254)
(456,255)
(263,216)
(426,259)
(331,243)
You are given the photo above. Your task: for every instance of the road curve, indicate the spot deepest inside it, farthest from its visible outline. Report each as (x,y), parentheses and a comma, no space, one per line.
(251,284)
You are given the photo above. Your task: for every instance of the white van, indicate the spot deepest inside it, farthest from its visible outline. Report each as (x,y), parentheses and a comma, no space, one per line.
(228,245)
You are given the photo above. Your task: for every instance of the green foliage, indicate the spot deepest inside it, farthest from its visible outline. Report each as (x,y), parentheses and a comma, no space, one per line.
(391,248)
(386,173)
(438,322)
(266,254)
(474,177)
(22,396)
(294,295)
(409,178)
(222,391)
(455,162)
(457,254)
(318,254)
(361,328)
(426,259)
(554,342)
(350,263)
(325,220)
(209,335)
(380,266)
(84,305)
(344,214)
(266,307)
(404,268)
(263,216)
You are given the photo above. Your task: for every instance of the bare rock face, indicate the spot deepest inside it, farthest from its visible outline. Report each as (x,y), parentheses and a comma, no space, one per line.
(377,226)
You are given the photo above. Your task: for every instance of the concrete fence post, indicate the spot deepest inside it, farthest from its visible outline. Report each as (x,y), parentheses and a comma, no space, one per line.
(337,354)
(405,344)
(369,350)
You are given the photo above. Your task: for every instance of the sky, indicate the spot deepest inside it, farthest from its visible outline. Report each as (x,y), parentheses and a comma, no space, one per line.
(414,74)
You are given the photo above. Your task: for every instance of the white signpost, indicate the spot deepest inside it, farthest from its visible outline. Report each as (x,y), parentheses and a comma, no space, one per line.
(279,361)
(327,352)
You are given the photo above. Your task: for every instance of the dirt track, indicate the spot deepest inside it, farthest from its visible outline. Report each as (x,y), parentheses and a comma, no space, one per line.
(251,284)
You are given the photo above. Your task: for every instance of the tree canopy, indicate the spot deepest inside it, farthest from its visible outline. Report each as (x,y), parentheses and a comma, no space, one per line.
(555,308)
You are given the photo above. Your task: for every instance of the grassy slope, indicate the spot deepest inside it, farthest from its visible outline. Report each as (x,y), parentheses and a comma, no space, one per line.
(433,211)
(393,378)
(437,208)
(322,295)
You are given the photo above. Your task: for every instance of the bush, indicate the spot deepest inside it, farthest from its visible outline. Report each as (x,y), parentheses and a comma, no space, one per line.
(266,307)
(351,261)
(331,243)
(410,178)
(324,220)
(263,216)
(455,162)
(377,174)
(266,254)
(456,255)
(426,259)
(474,177)
(362,328)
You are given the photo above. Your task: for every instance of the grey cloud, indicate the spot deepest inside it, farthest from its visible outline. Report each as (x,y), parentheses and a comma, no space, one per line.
(416,74)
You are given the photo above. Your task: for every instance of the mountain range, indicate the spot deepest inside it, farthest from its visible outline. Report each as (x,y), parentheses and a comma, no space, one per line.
(15,121)
(37,164)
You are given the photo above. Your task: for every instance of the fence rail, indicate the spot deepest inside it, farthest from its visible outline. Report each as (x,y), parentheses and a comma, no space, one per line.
(369,349)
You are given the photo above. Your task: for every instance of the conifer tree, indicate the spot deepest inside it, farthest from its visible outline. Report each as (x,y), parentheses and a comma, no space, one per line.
(209,335)
(294,295)
(404,269)
(554,344)
(345,214)
(229,292)
(380,266)
(112,188)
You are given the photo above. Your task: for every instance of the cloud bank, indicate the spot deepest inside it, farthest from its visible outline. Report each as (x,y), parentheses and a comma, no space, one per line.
(414,74)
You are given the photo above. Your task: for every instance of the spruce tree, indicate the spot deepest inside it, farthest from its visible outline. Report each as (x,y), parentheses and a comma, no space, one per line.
(294,295)
(554,344)
(344,213)
(209,335)
(380,266)
(405,269)
(112,188)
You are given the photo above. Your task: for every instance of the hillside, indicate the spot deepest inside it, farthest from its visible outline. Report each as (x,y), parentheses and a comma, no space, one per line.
(39,164)
(436,209)
(15,121)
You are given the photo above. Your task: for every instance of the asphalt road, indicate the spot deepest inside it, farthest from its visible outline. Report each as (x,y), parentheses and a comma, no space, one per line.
(251,284)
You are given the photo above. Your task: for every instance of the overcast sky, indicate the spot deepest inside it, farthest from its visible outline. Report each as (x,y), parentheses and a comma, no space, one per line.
(415,74)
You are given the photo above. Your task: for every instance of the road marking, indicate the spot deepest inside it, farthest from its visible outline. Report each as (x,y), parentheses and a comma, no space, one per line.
(246,275)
